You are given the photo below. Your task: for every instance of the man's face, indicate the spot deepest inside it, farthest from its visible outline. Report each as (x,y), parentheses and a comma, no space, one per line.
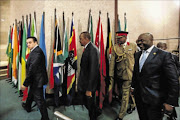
(144,42)
(82,40)
(30,43)
(121,40)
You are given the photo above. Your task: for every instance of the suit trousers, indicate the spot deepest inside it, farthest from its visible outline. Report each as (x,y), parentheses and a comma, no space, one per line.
(90,104)
(36,94)
(148,111)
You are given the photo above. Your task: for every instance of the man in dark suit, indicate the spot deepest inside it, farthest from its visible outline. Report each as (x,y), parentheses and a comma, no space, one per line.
(89,74)
(36,77)
(152,91)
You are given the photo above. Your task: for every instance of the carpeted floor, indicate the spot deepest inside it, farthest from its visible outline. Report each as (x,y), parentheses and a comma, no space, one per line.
(10,108)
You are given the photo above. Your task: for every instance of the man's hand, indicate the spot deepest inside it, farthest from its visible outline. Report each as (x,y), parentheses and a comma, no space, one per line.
(23,87)
(131,91)
(168,107)
(89,93)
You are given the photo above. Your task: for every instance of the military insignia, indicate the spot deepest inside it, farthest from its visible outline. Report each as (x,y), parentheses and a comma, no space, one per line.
(154,53)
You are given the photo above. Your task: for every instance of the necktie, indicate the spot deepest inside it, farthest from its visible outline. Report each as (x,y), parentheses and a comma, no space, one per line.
(141,62)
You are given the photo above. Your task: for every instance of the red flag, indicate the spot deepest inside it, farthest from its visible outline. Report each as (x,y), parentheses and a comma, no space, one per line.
(51,80)
(97,33)
(102,70)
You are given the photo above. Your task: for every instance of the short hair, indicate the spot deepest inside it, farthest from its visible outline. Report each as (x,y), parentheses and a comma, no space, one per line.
(86,35)
(148,34)
(160,44)
(34,38)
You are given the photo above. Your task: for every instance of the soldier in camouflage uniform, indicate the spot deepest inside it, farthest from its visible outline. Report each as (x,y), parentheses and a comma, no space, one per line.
(123,57)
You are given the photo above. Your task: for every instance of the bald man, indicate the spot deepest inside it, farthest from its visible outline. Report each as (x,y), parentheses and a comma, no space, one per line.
(151,90)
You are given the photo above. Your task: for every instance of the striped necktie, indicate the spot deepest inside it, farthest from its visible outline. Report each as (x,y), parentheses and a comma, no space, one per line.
(143,59)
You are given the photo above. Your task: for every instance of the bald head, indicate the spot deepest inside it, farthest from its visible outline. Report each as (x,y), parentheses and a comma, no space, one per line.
(145,41)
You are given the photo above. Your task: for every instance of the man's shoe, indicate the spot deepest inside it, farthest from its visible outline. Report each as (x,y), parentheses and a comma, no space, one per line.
(130,110)
(98,112)
(25,107)
(118,118)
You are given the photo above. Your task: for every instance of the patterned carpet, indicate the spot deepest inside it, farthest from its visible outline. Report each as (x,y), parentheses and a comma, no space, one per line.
(11,109)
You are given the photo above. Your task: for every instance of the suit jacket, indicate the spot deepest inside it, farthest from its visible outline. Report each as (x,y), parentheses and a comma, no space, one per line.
(157,82)
(89,73)
(36,74)
(176,59)
(122,61)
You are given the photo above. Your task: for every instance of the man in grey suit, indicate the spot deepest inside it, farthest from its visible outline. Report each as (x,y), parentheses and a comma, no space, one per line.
(89,74)
(155,80)
(36,77)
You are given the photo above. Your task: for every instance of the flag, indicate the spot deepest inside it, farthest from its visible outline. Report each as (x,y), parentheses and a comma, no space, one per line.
(33,28)
(126,27)
(23,62)
(42,44)
(97,33)
(119,24)
(65,41)
(90,27)
(15,55)
(108,58)
(20,54)
(58,62)
(28,35)
(9,54)
(71,78)
(102,70)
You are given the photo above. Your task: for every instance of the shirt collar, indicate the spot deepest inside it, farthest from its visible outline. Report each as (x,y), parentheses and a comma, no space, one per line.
(87,44)
(34,48)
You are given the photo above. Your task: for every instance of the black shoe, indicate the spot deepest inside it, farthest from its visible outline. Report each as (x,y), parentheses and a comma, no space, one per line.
(98,112)
(130,110)
(25,107)
(118,118)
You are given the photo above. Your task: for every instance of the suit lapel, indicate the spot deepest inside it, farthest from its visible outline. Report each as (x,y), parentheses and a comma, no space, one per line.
(152,54)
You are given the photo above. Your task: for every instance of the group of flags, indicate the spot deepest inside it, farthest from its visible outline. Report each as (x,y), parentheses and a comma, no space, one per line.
(18,52)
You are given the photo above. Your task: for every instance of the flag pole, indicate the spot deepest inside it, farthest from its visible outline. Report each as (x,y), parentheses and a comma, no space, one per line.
(26,21)
(89,19)
(22,22)
(30,20)
(35,16)
(116,18)
(44,20)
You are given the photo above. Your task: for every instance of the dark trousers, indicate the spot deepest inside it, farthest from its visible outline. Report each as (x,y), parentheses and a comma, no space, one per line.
(36,94)
(147,111)
(90,104)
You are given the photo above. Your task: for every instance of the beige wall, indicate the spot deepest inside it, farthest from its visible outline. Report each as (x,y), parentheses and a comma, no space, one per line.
(161,18)
(4,29)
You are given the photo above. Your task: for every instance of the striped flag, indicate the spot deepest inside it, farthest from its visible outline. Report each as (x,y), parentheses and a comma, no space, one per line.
(58,62)
(33,28)
(119,24)
(23,62)
(108,58)
(9,54)
(15,55)
(126,27)
(71,75)
(90,27)
(65,41)
(20,54)
(28,35)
